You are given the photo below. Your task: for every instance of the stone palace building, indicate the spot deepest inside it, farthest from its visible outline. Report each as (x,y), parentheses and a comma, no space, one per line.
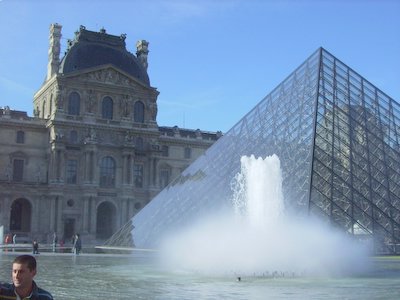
(93,154)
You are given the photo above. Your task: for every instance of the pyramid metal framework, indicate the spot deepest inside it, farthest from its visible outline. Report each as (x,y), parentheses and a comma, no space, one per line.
(338,140)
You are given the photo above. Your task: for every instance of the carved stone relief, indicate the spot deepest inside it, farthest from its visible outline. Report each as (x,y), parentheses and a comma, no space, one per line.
(153,110)
(60,98)
(109,76)
(91,101)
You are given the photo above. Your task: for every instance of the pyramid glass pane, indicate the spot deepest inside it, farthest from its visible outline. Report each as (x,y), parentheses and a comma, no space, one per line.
(355,179)
(337,137)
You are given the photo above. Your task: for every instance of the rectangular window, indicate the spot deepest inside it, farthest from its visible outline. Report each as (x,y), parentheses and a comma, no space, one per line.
(188,153)
(138,175)
(20,137)
(165,151)
(72,171)
(18,169)
(164,178)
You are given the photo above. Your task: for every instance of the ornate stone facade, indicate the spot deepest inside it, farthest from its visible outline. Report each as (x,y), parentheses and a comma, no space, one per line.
(93,154)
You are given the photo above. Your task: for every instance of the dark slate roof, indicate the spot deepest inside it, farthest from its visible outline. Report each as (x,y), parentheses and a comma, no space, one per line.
(90,49)
(189,133)
(15,114)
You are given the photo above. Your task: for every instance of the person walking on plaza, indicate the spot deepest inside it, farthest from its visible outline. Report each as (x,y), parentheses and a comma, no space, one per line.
(23,286)
(77,244)
(35,247)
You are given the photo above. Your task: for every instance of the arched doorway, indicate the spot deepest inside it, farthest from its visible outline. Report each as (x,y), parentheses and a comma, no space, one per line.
(106,220)
(20,216)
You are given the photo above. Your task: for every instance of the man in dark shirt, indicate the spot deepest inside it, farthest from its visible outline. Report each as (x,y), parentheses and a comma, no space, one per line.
(23,286)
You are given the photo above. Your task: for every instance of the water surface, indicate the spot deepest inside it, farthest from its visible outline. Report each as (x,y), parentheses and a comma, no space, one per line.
(107,276)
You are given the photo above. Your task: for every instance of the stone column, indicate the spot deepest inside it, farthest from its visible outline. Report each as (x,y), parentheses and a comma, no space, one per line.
(53,164)
(53,214)
(129,170)
(124,212)
(85,215)
(93,215)
(36,215)
(147,169)
(6,212)
(89,164)
(155,173)
(62,165)
(86,173)
(59,211)
(58,165)
(92,167)
(124,169)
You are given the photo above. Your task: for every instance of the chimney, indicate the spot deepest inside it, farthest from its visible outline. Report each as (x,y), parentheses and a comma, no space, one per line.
(54,50)
(142,52)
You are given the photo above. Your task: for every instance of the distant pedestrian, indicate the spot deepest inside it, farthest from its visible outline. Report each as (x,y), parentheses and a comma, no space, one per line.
(7,239)
(35,247)
(77,244)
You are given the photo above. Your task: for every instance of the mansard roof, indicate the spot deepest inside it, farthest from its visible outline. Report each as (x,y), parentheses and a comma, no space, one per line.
(90,49)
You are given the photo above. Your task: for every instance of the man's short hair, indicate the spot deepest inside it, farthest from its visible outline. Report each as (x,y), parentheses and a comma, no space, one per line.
(27,260)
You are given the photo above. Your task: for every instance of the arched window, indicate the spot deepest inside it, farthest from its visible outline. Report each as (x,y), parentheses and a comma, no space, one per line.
(107,172)
(138,112)
(74,104)
(106,220)
(107,108)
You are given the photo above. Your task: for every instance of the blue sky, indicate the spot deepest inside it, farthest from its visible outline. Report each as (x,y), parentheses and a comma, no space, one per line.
(211,61)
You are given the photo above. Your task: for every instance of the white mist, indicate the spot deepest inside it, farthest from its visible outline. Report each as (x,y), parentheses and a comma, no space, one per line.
(256,238)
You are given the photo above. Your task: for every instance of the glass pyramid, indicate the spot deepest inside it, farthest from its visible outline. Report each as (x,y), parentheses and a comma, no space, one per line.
(337,137)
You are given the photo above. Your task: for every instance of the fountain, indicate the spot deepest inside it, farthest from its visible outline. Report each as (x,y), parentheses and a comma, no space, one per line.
(257,238)
(253,251)
(257,191)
